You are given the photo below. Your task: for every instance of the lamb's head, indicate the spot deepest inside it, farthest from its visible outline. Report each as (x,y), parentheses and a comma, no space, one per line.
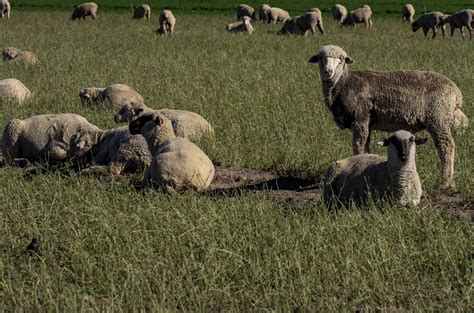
(289,26)
(155,127)
(332,62)
(445,19)
(89,94)
(82,144)
(246,19)
(415,25)
(10,53)
(129,112)
(401,147)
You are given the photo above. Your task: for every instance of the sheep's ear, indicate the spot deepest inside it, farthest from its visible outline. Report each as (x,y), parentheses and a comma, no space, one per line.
(81,144)
(421,140)
(348,60)
(383,142)
(138,110)
(159,120)
(314,59)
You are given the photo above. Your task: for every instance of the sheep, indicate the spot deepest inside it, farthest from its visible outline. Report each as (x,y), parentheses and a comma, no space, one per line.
(360,15)
(167,23)
(301,24)
(115,95)
(277,14)
(431,20)
(242,26)
(15,54)
(364,100)
(142,11)
(363,176)
(177,163)
(4,8)
(83,10)
(185,124)
(339,13)
(245,10)
(408,12)
(263,12)
(13,89)
(458,20)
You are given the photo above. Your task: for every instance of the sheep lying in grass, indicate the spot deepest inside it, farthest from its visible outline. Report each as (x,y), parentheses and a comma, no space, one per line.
(339,13)
(368,175)
(115,95)
(185,124)
(12,89)
(360,15)
(432,20)
(277,14)
(83,10)
(242,26)
(4,8)
(364,100)
(177,163)
(459,20)
(304,23)
(141,12)
(246,10)
(264,12)
(167,23)
(408,12)
(14,54)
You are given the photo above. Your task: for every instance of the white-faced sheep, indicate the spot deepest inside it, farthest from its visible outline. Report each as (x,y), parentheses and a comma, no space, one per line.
(364,100)
(4,8)
(408,12)
(17,55)
(12,89)
(243,26)
(83,10)
(185,123)
(115,95)
(177,163)
(432,20)
(360,177)
(246,10)
(264,12)
(143,11)
(459,20)
(277,14)
(360,15)
(167,23)
(303,23)
(339,13)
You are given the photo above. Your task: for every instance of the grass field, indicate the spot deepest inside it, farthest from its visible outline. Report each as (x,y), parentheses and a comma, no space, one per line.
(104,245)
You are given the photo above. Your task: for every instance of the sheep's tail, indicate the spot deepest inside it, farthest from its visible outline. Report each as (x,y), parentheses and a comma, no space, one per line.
(10,144)
(460,120)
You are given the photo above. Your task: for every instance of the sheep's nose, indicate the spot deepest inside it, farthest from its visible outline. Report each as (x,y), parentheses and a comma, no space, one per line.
(328,72)
(404,157)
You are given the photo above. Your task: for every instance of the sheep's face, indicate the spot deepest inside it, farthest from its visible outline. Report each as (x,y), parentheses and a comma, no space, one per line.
(10,53)
(81,145)
(289,26)
(88,94)
(402,146)
(151,126)
(331,65)
(127,113)
(415,26)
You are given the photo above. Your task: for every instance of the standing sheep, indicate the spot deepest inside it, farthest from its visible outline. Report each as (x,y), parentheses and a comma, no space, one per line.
(4,8)
(246,10)
(115,95)
(12,89)
(83,10)
(408,12)
(167,23)
(360,15)
(458,20)
(264,12)
(14,54)
(242,26)
(339,13)
(143,11)
(277,14)
(301,24)
(432,20)
(364,100)
(177,163)
(368,175)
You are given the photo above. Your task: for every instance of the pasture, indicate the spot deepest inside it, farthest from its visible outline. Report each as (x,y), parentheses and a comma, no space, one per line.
(261,240)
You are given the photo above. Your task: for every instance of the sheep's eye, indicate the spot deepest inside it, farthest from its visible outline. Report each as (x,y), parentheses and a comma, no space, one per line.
(412,139)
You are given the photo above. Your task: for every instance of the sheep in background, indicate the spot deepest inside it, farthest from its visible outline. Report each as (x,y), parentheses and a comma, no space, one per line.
(304,23)
(368,175)
(339,13)
(408,12)
(458,20)
(246,10)
(432,20)
(242,26)
(360,15)
(264,12)
(115,95)
(83,10)
(167,23)
(12,89)
(364,100)
(142,11)
(277,14)
(4,8)
(14,54)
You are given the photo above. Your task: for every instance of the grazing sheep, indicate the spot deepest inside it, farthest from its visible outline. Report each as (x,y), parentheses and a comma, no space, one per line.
(264,12)
(4,8)
(364,100)
(246,10)
(301,24)
(432,20)
(177,163)
(115,95)
(360,15)
(277,14)
(339,13)
(408,12)
(368,175)
(83,10)
(185,124)
(458,20)
(143,11)
(14,54)
(167,23)
(242,26)
(12,89)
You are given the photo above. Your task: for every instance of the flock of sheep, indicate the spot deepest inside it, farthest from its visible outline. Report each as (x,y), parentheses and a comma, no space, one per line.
(164,143)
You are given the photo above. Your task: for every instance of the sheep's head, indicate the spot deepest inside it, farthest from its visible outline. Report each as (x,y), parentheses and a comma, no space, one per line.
(246,19)
(81,146)
(415,26)
(10,53)
(128,112)
(401,146)
(89,94)
(332,60)
(445,19)
(155,127)
(289,26)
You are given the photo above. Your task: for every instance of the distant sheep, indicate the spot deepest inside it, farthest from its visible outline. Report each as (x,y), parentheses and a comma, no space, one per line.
(4,8)
(339,13)
(459,20)
(408,12)
(264,12)
(246,10)
(83,10)
(142,11)
(364,100)
(167,23)
(432,20)
(243,26)
(277,14)
(14,54)
(304,23)
(360,15)
(115,95)
(12,89)
(361,177)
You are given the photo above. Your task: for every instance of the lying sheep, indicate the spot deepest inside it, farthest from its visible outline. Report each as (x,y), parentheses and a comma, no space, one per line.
(246,10)
(14,54)
(4,8)
(143,11)
(364,100)
(277,14)
(242,26)
(185,124)
(177,163)
(301,24)
(83,10)
(432,20)
(360,15)
(264,12)
(167,23)
(360,177)
(115,95)
(458,20)
(12,89)
(339,13)
(408,12)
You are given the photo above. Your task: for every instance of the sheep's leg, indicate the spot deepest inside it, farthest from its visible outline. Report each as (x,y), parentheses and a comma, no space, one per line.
(320,27)
(462,33)
(469,28)
(443,30)
(434,32)
(444,144)
(360,135)
(116,168)
(367,143)
(452,31)
(93,16)
(425,31)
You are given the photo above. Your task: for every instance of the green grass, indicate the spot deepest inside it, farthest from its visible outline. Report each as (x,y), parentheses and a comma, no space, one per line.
(107,246)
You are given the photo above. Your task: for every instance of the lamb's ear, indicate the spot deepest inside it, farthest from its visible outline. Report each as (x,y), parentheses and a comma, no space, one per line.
(138,111)
(348,60)
(383,142)
(314,59)
(159,120)
(420,140)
